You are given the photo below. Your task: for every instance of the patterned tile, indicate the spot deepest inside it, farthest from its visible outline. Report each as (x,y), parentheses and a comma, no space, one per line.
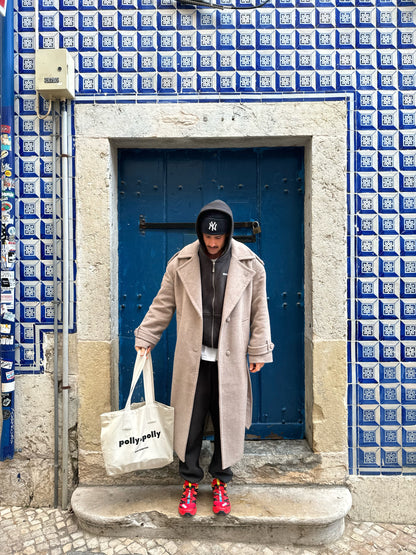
(145,48)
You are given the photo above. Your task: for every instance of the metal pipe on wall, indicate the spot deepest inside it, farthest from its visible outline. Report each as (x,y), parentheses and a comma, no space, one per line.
(65,301)
(56,310)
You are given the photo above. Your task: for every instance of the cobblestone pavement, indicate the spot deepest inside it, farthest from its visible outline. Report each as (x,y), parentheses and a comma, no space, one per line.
(54,532)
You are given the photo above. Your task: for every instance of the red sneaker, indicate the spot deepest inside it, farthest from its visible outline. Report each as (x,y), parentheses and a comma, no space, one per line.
(221,505)
(187,504)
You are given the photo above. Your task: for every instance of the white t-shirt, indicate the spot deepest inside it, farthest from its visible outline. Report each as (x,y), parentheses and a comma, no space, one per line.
(209,354)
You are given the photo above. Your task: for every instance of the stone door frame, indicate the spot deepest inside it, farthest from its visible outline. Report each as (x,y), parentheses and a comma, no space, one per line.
(321,128)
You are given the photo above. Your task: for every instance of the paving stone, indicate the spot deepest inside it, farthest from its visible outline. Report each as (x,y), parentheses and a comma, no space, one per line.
(159,550)
(171,547)
(18,527)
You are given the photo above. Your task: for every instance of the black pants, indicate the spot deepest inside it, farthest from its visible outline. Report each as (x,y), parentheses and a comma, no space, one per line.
(206,401)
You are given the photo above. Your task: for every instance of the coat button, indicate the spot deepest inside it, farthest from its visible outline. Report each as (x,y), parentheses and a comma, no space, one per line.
(228,319)
(228,353)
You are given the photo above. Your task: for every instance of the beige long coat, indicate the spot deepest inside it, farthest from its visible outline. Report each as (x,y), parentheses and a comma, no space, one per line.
(245,329)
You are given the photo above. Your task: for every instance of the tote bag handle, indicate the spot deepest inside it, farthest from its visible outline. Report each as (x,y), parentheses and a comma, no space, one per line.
(142,364)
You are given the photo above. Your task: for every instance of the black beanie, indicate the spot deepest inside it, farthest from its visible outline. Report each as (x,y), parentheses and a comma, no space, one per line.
(215,223)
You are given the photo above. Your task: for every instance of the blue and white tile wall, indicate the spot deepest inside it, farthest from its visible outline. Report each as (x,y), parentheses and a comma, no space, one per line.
(158,50)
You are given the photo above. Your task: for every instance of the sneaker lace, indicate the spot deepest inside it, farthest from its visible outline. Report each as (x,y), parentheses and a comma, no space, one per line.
(220,491)
(189,492)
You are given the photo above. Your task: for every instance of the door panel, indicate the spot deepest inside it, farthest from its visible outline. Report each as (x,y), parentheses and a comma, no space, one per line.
(264,185)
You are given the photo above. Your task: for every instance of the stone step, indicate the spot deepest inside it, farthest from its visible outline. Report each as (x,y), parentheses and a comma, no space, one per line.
(287,515)
(288,462)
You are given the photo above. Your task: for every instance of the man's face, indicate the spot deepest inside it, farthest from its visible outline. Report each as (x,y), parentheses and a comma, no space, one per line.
(214,244)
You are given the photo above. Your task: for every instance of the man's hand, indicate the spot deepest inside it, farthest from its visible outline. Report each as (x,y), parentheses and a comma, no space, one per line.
(256,367)
(143,351)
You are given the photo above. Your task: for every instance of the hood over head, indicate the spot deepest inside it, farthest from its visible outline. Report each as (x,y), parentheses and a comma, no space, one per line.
(215,218)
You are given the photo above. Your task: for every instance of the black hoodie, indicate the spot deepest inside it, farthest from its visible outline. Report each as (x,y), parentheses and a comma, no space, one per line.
(213,276)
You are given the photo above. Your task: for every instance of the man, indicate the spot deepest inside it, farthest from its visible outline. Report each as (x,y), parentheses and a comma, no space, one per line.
(218,288)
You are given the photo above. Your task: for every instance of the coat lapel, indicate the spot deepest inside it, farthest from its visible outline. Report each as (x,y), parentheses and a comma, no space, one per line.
(190,275)
(239,276)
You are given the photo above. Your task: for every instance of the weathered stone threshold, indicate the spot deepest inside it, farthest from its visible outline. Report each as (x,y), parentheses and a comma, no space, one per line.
(282,491)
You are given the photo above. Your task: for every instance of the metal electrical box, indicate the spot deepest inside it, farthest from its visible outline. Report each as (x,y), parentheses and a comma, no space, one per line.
(55,74)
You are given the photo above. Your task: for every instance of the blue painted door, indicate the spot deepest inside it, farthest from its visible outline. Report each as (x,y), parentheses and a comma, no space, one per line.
(160,195)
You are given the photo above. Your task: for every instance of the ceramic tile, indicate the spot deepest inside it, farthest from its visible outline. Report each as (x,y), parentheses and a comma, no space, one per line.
(147,50)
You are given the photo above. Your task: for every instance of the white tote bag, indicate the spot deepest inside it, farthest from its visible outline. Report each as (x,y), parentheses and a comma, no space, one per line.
(140,436)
